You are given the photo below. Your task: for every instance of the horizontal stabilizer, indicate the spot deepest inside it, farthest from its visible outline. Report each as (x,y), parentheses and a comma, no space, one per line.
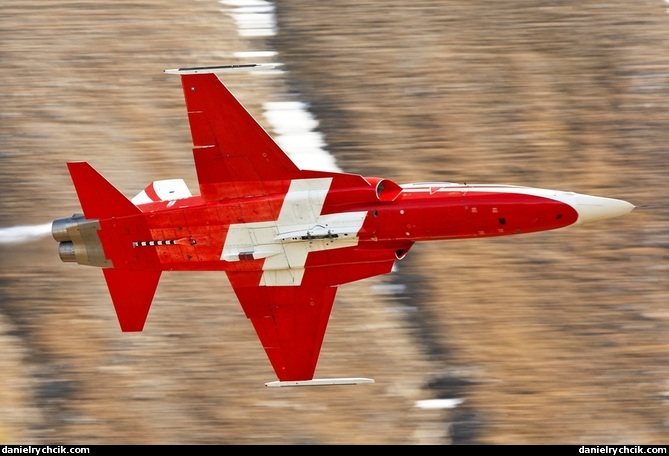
(320,382)
(132,293)
(98,198)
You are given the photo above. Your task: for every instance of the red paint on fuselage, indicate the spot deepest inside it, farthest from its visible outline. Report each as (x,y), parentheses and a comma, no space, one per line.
(459,214)
(390,228)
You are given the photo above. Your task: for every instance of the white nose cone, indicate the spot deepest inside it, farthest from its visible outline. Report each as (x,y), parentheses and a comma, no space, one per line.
(592,208)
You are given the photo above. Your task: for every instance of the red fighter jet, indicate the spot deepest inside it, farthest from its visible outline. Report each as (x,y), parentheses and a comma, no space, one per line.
(285,237)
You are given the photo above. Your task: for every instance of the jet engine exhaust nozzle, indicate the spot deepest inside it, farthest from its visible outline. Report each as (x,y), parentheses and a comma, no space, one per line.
(79,241)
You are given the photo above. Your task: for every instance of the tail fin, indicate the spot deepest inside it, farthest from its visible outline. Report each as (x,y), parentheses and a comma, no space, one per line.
(133,280)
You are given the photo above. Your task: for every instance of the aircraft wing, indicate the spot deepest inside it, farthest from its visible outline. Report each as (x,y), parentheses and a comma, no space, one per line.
(234,156)
(285,283)
(291,321)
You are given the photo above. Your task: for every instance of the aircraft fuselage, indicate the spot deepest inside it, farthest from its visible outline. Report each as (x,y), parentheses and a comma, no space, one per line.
(348,226)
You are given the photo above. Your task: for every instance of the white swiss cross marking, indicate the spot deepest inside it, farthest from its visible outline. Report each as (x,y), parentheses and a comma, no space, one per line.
(299,230)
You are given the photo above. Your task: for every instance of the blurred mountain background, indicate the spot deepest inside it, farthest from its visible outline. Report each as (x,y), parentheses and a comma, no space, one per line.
(549,338)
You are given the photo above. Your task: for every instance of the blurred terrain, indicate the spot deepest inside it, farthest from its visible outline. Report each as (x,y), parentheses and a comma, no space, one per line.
(549,338)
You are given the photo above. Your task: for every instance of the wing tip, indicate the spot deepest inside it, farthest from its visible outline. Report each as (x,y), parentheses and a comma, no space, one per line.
(319,382)
(222,68)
